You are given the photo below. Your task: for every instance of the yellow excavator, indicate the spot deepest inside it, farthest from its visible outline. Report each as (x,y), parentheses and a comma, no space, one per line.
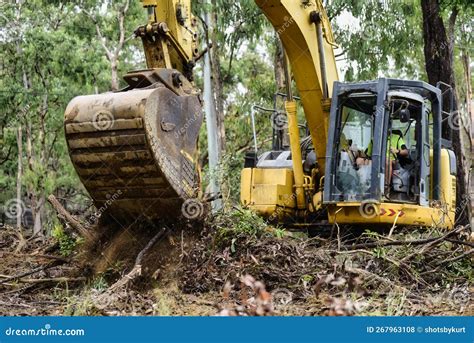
(374,154)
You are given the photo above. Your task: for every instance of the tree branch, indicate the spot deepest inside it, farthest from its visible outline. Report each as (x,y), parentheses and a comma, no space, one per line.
(102,39)
(7,157)
(121,20)
(103,42)
(452,23)
(33,271)
(62,213)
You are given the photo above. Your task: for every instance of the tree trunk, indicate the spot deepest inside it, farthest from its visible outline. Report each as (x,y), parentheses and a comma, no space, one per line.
(19,207)
(38,225)
(114,75)
(466,63)
(279,65)
(217,79)
(469,118)
(439,67)
(211,124)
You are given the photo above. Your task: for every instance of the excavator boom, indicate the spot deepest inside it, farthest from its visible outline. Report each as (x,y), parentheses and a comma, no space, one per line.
(299,36)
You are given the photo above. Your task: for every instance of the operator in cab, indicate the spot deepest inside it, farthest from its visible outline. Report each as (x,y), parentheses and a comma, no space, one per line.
(396,151)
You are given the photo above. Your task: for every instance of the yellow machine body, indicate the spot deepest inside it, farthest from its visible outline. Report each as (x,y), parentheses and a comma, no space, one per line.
(275,193)
(270,192)
(440,214)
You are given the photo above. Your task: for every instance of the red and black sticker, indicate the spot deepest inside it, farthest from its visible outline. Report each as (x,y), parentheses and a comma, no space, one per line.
(391,212)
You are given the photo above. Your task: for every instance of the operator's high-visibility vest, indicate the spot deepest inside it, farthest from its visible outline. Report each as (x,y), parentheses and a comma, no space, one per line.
(395,141)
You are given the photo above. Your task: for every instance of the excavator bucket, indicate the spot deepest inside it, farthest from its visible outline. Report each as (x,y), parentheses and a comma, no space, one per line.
(135,150)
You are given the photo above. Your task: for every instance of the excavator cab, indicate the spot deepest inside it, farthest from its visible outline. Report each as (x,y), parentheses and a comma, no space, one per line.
(385,158)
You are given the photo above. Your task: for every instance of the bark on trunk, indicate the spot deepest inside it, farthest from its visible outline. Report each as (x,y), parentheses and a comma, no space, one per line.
(439,67)
(38,226)
(217,80)
(466,63)
(19,209)
(279,66)
(114,76)
(38,215)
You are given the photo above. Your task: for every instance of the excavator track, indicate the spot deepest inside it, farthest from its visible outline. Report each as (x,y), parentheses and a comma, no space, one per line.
(135,150)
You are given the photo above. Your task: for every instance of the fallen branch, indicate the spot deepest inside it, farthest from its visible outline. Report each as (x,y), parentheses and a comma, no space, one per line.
(16,304)
(433,240)
(456,241)
(380,279)
(66,216)
(401,265)
(436,242)
(33,271)
(450,260)
(50,257)
(456,258)
(57,279)
(137,268)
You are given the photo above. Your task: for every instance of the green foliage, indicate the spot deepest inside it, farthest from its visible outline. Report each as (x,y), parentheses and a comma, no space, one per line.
(51,53)
(99,283)
(238,223)
(67,243)
(382,39)
(279,233)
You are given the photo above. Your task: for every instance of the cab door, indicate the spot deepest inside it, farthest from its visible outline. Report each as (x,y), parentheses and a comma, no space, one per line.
(425,174)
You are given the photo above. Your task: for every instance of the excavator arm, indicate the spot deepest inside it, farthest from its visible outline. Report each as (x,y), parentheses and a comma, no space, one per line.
(169,38)
(296,22)
(135,150)
(271,188)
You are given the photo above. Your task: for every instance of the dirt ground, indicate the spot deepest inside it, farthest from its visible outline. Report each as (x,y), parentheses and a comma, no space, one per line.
(195,270)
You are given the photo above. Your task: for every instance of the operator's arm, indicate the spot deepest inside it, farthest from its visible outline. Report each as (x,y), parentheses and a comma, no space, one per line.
(401,149)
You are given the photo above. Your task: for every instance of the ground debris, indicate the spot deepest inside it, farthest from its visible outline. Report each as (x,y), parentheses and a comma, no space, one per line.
(325,277)
(241,266)
(254,299)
